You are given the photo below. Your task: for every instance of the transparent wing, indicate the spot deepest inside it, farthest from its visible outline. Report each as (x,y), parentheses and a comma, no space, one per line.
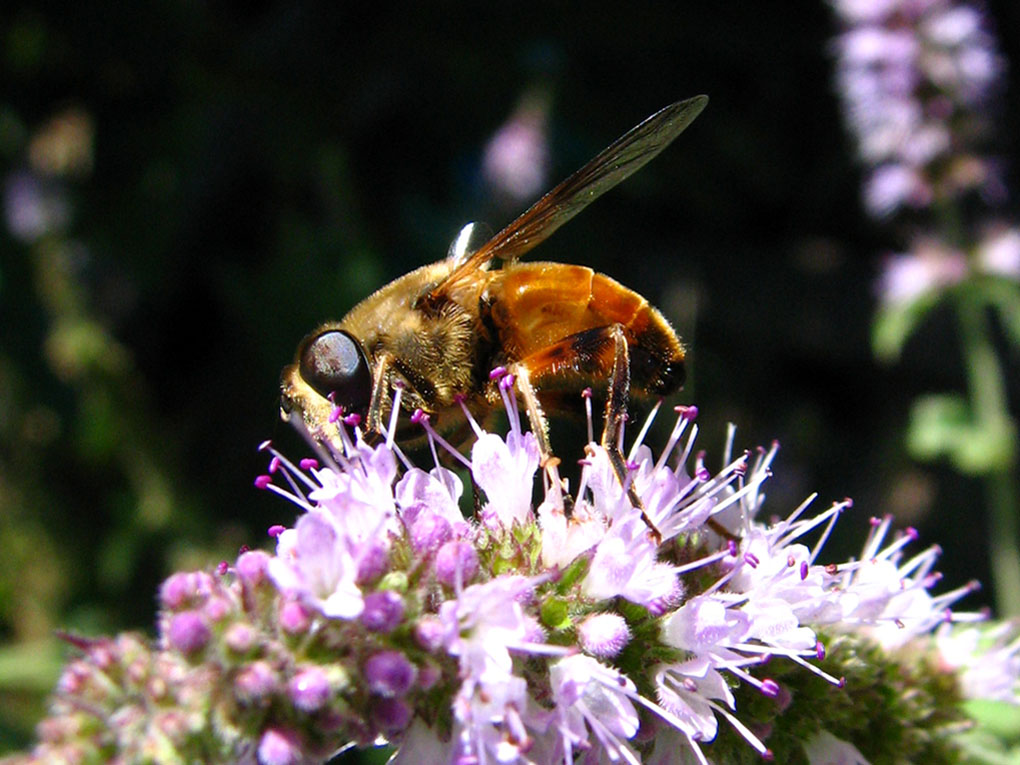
(626,155)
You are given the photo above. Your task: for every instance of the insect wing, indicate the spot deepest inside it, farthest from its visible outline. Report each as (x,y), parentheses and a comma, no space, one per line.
(625,156)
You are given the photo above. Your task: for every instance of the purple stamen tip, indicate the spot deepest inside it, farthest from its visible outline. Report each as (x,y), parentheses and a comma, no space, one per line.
(875,521)
(586,393)
(703,474)
(265,445)
(848,502)
(947,616)
(731,547)
(911,532)
(632,465)
(398,384)
(973,585)
(263,481)
(309,463)
(689,412)
(335,415)
(768,755)
(331,397)
(419,417)
(275,530)
(222,567)
(497,373)
(751,559)
(819,650)
(770,688)
(459,398)
(842,682)
(803,570)
(352,420)
(507,382)
(274,464)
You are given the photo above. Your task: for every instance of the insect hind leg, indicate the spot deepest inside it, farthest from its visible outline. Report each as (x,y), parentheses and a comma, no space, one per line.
(616,416)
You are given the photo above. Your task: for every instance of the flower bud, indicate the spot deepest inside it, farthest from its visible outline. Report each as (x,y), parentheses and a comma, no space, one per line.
(240,638)
(428,632)
(251,567)
(383,611)
(280,747)
(456,561)
(603,635)
(188,632)
(295,619)
(391,715)
(389,673)
(309,689)
(255,682)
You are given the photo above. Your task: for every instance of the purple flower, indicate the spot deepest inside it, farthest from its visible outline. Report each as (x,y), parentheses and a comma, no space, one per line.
(504,649)
(505,470)
(516,158)
(314,563)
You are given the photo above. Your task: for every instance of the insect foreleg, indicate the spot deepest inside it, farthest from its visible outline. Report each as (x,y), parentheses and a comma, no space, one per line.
(539,426)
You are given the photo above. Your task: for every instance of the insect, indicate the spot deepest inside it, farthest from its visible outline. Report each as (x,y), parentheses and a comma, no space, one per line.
(438,331)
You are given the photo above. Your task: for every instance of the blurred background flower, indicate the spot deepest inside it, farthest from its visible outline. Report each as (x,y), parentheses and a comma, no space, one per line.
(239,174)
(919,81)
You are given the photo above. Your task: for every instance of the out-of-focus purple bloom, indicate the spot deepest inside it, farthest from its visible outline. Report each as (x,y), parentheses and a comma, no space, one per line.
(915,77)
(516,159)
(34,207)
(999,252)
(929,267)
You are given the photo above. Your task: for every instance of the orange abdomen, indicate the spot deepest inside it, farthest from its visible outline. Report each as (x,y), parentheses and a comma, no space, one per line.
(556,316)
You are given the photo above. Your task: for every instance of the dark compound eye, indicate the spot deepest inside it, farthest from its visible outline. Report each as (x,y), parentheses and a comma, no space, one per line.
(334,363)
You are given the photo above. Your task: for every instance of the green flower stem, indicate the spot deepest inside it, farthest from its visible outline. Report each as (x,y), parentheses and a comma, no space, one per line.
(991,415)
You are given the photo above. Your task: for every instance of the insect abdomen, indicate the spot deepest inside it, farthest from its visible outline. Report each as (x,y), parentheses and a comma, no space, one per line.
(555,315)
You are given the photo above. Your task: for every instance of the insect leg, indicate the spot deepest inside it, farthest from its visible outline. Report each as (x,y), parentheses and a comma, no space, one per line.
(380,393)
(616,415)
(539,425)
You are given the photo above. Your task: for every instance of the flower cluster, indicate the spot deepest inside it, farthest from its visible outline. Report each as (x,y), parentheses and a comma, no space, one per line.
(918,80)
(916,77)
(564,633)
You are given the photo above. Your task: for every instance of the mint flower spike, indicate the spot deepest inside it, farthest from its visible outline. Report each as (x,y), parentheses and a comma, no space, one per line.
(530,635)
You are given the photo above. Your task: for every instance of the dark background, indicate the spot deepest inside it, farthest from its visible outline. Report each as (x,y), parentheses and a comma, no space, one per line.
(260,167)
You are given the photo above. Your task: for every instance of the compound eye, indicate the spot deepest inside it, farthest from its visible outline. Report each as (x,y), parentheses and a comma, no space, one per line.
(334,363)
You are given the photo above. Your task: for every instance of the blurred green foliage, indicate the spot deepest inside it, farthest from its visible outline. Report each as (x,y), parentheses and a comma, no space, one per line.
(218,178)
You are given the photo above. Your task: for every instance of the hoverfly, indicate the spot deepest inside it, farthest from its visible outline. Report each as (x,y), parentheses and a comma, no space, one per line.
(438,331)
